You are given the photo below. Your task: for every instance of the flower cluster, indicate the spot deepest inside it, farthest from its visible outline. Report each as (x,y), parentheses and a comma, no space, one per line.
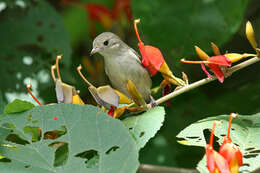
(219,63)
(229,158)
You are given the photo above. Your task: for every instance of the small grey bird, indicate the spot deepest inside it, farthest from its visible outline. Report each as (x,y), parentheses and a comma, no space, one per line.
(122,63)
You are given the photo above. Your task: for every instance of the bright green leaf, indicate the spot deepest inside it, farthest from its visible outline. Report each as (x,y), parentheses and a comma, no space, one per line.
(245,132)
(143,127)
(17,106)
(93,142)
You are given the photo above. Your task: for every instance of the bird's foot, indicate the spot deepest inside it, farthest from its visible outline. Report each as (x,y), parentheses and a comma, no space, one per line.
(152,103)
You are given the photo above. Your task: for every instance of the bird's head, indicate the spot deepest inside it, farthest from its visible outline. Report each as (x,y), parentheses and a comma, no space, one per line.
(107,44)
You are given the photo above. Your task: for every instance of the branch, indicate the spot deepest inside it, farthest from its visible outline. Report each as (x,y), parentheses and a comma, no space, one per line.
(206,80)
(144,168)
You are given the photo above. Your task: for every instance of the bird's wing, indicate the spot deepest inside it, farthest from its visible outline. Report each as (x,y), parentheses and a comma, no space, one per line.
(135,54)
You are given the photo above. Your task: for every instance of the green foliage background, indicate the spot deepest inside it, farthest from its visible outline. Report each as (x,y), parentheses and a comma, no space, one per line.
(43,29)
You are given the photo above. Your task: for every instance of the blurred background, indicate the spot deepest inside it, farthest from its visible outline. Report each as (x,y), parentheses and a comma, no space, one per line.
(34,32)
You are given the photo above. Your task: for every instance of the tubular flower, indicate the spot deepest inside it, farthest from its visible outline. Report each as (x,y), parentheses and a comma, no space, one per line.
(153,60)
(215,162)
(230,151)
(250,34)
(107,98)
(218,64)
(214,63)
(65,93)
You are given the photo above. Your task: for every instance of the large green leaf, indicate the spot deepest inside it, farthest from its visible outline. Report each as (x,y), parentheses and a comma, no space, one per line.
(73,138)
(176,26)
(32,34)
(143,127)
(245,132)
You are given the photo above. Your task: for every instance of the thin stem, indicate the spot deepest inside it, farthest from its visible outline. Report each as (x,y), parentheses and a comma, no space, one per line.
(195,62)
(83,77)
(136,29)
(52,72)
(57,66)
(232,115)
(206,80)
(28,87)
(212,133)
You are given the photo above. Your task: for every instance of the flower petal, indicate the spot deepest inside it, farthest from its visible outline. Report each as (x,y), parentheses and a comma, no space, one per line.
(221,163)
(210,158)
(152,58)
(234,57)
(220,60)
(217,71)
(135,94)
(230,151)
(123,99)
(77,100)
(205,70)
(203,55)
(111,111)
(250,34)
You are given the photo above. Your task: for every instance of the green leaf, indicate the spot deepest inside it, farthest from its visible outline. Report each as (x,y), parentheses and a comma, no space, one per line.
(31,37)
(143,127)
(17,106)
(176,26)
(245,132)
(92,142)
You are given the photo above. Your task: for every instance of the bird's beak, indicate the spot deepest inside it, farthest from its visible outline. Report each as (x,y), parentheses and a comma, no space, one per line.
(94,50)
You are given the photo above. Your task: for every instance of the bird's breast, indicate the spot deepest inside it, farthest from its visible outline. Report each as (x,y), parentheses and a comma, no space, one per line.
(120,69)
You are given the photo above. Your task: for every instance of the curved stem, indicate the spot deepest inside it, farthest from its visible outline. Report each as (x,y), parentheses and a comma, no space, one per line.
(83,77)
(232,115)
(57,66)
(52,73)
(136,29)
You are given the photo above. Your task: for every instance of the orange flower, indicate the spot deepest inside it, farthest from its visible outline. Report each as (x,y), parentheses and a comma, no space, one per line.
(152,57)
(153,60)
(215,162)
(230,151)
(214,63)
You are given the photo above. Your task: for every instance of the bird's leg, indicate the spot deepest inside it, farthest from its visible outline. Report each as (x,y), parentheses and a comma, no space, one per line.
(153,102)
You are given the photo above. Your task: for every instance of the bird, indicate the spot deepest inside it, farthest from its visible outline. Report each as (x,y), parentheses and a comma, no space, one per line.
(122,63)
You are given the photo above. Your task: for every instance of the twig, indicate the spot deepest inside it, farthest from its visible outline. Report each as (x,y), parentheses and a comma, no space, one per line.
(206,80)
(144,168)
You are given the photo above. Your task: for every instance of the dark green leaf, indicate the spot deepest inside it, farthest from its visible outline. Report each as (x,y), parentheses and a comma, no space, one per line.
(31,37)
(17,106)
(176,26)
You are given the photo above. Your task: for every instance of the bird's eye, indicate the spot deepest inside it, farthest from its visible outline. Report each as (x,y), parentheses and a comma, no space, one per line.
(106,42)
